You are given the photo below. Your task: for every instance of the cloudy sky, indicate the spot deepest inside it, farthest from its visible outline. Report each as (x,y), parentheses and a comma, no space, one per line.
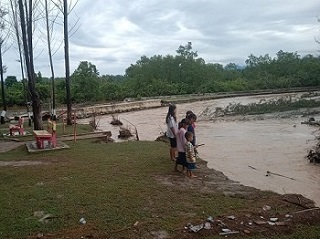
(113,34)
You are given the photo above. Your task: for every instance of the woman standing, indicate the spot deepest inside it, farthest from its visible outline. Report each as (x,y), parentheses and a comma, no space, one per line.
(172,129)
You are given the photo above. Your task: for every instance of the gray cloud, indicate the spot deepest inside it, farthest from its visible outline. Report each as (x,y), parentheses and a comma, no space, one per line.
(115,33)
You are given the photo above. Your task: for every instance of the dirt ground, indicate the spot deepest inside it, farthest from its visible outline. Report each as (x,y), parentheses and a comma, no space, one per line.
(6,145)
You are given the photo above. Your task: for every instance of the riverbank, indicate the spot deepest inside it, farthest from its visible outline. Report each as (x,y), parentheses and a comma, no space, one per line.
(275,142)
(180,99)
(129,190)
(86,111)
(161,101)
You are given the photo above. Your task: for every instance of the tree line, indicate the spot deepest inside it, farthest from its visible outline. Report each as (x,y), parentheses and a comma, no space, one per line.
(183,73)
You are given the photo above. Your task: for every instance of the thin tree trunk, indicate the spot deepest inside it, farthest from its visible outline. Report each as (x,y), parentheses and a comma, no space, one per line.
(67,61)
(36,102)
(51,63)
(28,52)
(26,94)
(4,104)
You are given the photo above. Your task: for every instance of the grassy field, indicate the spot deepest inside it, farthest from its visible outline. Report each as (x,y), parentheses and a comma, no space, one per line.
(112,186)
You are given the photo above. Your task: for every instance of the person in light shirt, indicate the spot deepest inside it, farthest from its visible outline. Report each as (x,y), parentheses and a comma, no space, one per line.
(172,129)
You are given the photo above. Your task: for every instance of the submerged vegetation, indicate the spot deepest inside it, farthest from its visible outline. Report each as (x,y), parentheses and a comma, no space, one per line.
(281,104)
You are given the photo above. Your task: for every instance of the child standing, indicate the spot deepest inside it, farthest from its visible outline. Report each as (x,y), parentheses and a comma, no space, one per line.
(190,155)
(172,129)
(192,119)
(181,142)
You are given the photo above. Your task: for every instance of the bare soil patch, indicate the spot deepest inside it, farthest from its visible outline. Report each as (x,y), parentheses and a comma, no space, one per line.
(6,145)
(20,163)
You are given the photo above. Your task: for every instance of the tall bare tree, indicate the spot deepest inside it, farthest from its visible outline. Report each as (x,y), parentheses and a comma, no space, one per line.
(66,8)
(26,24)
(49,39)
(67,59)
(3,14)
(15,22)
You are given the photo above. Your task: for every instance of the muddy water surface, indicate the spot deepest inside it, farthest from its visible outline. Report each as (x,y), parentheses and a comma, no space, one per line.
(243,150)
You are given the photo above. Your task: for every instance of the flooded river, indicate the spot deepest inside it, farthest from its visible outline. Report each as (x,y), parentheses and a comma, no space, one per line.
(243,150)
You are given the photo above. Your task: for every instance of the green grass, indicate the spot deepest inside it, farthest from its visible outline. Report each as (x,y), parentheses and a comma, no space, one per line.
(111,185)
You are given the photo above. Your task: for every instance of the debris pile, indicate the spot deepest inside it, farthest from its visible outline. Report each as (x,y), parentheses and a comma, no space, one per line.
(116,121)
(94,123)
(314,154)
(311,121)
(248,224)
(124,133)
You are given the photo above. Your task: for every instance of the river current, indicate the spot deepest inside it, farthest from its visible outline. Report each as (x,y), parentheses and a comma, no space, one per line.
(244,150)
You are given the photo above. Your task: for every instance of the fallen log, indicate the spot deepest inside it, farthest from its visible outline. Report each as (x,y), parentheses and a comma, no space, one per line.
(307,210)
(280,175)
(312,123)
(296,203)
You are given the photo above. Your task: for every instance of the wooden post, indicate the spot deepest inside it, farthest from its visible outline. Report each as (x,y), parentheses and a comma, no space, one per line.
(49,125)
(54,134)
(75,127)
(63,125)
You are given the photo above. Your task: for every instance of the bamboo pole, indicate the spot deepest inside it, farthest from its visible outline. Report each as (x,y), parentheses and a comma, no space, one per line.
(75,127)
(63,125)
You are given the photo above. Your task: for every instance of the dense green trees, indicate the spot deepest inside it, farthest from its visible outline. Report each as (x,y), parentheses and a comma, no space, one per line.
(183,73)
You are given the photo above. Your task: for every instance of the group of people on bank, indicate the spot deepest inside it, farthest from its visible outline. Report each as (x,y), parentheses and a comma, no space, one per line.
(182,140)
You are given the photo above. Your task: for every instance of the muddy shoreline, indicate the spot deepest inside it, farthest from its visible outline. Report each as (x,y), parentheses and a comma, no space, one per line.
(290,210)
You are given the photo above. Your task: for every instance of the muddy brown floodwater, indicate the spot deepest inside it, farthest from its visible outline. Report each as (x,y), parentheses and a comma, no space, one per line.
(243,150)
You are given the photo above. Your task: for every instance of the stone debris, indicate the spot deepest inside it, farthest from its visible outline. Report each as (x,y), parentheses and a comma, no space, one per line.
(82,221)
(266,208)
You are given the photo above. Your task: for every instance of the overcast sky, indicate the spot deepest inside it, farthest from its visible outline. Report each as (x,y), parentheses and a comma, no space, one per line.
(115,33)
